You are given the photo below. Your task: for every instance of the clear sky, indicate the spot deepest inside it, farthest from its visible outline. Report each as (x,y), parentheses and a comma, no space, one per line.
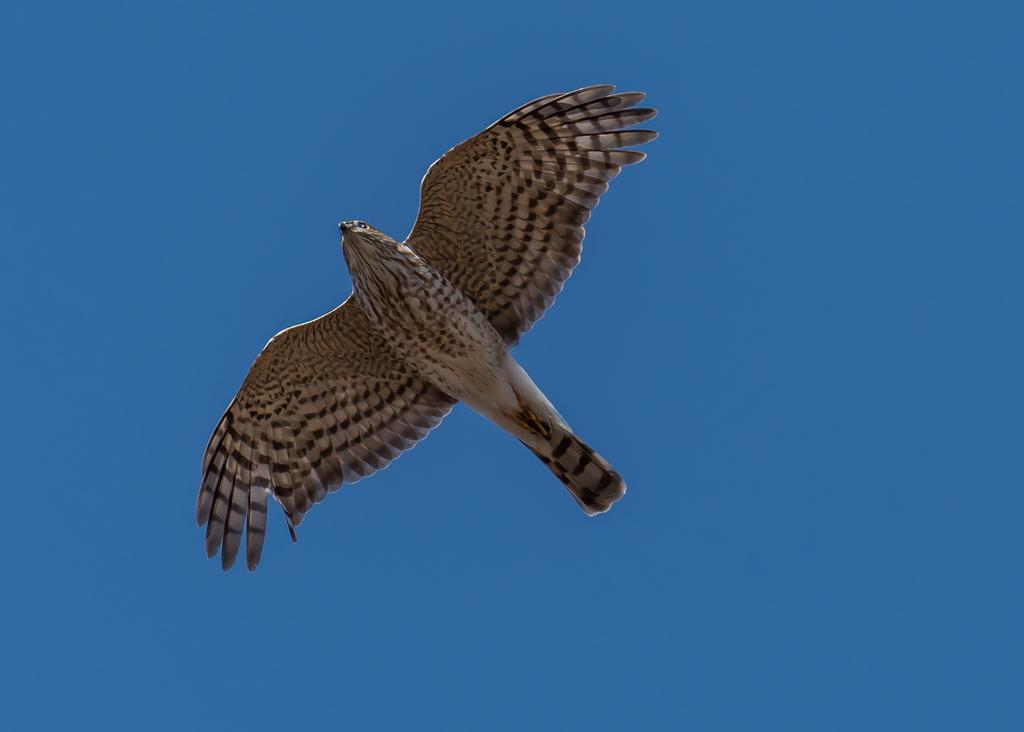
(796,331)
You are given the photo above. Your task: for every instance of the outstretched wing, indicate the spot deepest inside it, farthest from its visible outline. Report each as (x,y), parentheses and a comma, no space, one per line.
(325,403)
(502,214)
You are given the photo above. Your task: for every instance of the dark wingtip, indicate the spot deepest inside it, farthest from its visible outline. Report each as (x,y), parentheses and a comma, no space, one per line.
(646,114)
(212,545)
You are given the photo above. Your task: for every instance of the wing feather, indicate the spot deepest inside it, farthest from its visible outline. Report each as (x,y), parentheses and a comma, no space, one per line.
(325,403)
(502,214)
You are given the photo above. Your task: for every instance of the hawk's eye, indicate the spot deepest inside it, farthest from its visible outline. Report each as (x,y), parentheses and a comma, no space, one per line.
(363,225)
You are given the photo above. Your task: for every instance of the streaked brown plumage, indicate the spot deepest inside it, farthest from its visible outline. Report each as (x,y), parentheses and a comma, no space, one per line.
(430,322)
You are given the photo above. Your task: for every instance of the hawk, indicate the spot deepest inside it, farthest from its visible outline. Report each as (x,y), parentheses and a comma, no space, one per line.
(429,323)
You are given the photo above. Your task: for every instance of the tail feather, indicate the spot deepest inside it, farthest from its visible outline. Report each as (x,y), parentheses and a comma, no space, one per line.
(590,479)
(534,420)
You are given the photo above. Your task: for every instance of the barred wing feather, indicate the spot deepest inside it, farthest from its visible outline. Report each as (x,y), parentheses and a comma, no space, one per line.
(325,403)
(502,214)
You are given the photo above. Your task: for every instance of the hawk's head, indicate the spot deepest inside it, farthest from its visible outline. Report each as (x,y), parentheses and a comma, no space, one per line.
(360,238)
(365,246)
(358,230)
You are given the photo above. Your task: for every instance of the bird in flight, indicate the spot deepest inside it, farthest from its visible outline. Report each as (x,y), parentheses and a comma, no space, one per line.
(429,323)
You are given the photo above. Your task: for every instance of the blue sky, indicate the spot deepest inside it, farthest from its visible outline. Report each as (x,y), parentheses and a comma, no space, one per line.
(796,331)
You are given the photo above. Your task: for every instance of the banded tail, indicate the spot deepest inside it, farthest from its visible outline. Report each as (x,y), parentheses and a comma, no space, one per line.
(590,479)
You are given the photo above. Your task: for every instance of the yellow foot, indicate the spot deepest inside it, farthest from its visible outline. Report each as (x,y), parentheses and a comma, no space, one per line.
(528,419)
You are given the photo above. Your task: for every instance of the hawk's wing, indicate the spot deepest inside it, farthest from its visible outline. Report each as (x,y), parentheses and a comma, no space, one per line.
(502,214)
(325,403)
